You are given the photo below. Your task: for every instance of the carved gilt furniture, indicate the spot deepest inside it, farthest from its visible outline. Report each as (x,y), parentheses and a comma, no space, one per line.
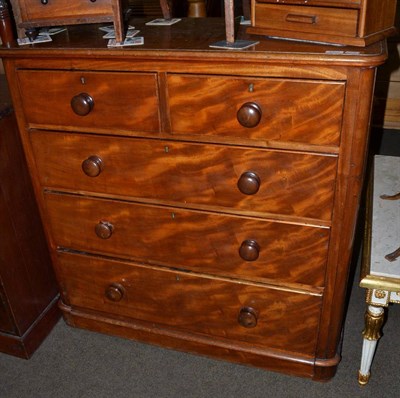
(381,262)
(345,22)
(200,199)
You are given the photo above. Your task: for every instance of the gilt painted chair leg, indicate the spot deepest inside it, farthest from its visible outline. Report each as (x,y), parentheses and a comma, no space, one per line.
(371,334)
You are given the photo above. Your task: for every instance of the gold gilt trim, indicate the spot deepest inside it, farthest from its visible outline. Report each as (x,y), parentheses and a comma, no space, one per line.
(363,379)
(366,253)
(380,294)
(373,325)
(369,299)
(367,280)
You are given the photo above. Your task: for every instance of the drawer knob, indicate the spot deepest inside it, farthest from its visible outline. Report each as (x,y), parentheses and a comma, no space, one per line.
(44,2)
(115,292)
(82,104)
(104,230)
(249,250)
(92,166)
(249,183)
(248,317)
(249,114)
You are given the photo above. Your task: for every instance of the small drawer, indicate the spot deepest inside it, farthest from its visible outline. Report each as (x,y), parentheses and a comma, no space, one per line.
(257,109)
(308,19)
(93,101)
(225,309)
(32,10)
(252,180)
(204,242)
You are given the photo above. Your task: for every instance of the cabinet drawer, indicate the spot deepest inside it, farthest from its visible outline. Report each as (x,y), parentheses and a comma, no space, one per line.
(269,109)
(280,319)
(36,10)
(204,242)
(104,100)
(323,20)
(279,182)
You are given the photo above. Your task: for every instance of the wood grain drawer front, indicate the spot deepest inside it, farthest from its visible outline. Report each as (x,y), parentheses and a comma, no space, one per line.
(283,182)
(36,10)
(274,318)
(269,109)
(323,20)
(91,100)
(209,243)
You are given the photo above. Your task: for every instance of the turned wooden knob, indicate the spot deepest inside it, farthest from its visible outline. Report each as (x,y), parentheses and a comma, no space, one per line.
(249,183)
(82,104)
(115,292)
(249,250)
(92,166)
(249,114)
(248,317)
(104,230)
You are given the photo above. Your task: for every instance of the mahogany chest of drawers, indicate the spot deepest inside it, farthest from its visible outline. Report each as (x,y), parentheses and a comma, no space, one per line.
(200,199)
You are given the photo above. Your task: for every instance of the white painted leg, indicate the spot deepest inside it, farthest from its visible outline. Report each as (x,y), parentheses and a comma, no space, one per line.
(372,332)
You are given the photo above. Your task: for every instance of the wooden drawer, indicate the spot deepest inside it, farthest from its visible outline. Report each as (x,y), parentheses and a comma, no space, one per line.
(284,319)
(60,9)
(288,183)
(119,101)
(285,110)
(204,242)
(297,18)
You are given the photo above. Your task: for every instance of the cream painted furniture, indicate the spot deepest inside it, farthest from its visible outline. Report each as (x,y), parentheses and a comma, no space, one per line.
(381,266)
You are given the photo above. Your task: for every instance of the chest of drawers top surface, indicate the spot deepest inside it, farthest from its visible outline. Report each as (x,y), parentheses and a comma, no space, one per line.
(197,198)
(190,39)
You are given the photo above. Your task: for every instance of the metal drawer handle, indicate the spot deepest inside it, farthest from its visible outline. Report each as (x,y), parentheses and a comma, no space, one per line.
(308,19)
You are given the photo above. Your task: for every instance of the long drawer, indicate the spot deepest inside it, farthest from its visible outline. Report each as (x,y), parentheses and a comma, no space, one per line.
(280,182)
(91,100)
(237,311)
(303,111)
(204,242)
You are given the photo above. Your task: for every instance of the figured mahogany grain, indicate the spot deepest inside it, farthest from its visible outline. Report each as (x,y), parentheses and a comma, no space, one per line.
(193,304)
(309,257)
(190,240)
(120,100)
(290,183)
(292,110)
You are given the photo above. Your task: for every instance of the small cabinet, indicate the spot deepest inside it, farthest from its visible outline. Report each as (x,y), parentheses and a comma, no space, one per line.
(345,22)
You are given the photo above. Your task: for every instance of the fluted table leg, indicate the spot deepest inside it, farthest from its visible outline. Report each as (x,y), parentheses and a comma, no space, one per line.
(372,332)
